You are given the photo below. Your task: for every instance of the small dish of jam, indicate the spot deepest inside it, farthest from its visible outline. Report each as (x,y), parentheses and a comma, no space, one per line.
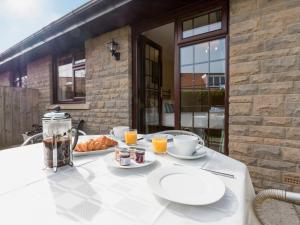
(140,155)
(124,157)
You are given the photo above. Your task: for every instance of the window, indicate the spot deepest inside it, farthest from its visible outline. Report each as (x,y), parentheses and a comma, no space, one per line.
(19,78)
(202,88)
(202,75)
(217,80)
(202,24)
(70,78)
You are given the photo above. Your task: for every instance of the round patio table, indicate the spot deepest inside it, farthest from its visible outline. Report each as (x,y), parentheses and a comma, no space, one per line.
(93,193)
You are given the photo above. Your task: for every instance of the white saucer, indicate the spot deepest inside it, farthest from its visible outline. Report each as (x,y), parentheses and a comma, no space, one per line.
(200,152)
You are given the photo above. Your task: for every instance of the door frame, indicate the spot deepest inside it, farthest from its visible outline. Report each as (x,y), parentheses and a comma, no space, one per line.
(177,16)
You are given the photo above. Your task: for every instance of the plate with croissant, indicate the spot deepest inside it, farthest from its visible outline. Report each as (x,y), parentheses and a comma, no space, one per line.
(95,146)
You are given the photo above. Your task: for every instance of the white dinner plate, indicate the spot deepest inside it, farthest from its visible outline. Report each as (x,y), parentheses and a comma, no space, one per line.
(96,152)
(200,152)
(149,159)
(186,185)
(149,137)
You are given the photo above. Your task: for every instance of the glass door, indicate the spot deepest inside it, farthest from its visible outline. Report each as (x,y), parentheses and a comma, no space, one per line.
(151,83)
(202,92)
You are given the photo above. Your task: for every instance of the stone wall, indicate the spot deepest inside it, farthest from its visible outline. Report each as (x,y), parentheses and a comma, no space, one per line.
(5,79)
(108,84)
(264,120)
(39,74)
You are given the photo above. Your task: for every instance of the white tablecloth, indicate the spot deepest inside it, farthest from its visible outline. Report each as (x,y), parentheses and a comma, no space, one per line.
(93,193)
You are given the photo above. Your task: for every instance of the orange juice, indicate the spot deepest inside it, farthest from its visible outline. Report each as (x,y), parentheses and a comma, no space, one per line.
(159,144)
(130,137)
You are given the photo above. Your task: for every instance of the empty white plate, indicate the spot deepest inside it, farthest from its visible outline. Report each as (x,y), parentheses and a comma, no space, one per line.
(149,159)
(186,185)
(196,155)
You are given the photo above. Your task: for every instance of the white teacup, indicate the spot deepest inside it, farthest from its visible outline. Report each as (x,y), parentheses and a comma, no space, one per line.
(119,131)
(186,145)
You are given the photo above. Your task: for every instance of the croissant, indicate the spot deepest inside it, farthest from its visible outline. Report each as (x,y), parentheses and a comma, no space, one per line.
(90,145)
(78,148)
(99,143)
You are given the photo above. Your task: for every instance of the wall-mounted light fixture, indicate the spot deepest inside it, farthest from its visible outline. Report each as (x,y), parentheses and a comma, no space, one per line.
(113,48)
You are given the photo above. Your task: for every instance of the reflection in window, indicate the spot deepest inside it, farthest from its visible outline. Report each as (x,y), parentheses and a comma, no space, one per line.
(202,72)
(152,84)
(71,77)
(80,83)
(202,24)
(20,77)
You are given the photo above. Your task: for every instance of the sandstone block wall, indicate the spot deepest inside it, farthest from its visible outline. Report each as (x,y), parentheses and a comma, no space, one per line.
(39,74)
(108,82)
(264,112)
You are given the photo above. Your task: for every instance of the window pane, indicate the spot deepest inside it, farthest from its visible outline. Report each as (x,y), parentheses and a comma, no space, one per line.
(215,20)
(217,49)
(20,77)
(201,52)
(186,55)
(217,67)
(201,68)
(222,80)
(202,24)
(65,79)
(156,55)
(17,82)
(152,54)
(24,81)
(186,69)
(147,52)
(211,81)
(147,67)
(79,83)
(187,28)
(216,81)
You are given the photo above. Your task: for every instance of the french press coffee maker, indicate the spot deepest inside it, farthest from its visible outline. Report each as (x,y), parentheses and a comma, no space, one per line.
(57,139)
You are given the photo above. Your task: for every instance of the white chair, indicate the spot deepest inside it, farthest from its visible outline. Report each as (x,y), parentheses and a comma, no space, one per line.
(277,215)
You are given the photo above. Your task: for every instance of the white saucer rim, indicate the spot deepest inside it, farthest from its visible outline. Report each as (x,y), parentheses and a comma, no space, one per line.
(194,156)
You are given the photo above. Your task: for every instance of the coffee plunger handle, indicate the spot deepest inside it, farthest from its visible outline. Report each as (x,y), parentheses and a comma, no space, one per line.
(76,134)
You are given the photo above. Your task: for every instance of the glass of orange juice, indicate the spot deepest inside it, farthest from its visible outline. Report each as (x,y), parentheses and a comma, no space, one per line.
(131,137)
(159,144)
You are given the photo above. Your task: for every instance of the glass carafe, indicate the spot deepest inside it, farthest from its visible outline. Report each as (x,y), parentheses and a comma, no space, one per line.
(57,139)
